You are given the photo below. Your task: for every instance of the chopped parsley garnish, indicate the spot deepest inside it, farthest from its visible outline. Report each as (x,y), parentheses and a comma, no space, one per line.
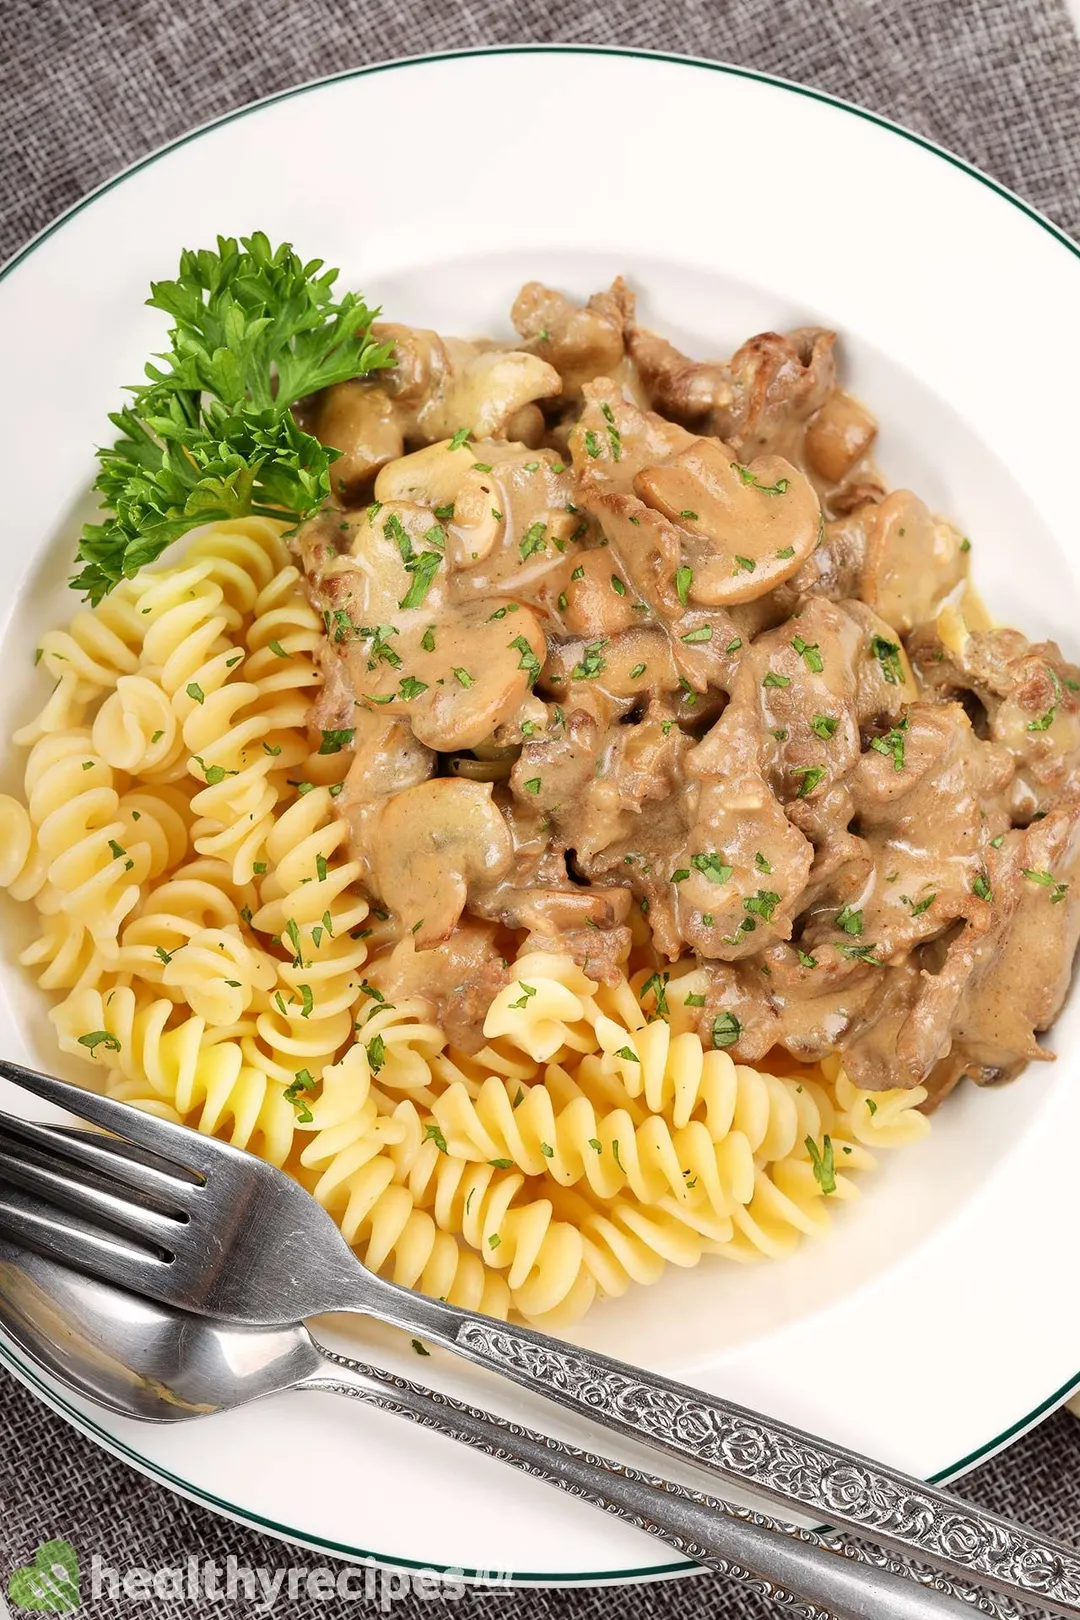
(824,1162)
(409,688)
(463,677)
(785,553)
(334,741)
(528,659)
(532,540)
(712,867)
(376,1053)
(592,664)
(100,1037)
(195,692)
(461,437)
(823,725)
(614,436)
(533,785)
(761,863)
(887,654)
(307,1000)
(638,669)
(805,959)
(656,985)
(747,564)
(680,874)
(811,776)
(302,1081)
(592,443)
(684,578)
(892,743)
(617,585)
(433,1134)
(527,993)
(849,920)
(980,885)
(278,650)
(726,1029)
(771,678)
(860,953)
(1048,881)
(694,1000)
(762,904)
(213,773)
(810,652)
(703,633)
(733,646)
(628,1054)
(919,906)
(779,488)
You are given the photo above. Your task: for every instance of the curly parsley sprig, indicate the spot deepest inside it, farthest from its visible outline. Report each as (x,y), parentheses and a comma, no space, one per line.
(210,435)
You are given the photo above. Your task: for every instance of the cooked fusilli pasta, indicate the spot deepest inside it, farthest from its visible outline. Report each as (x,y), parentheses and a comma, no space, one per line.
(202,923)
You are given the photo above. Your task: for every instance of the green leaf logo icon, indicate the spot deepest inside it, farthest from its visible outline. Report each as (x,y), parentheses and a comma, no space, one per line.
(50,1585)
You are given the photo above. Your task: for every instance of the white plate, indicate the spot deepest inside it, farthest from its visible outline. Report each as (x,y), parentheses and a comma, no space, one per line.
(938,1319)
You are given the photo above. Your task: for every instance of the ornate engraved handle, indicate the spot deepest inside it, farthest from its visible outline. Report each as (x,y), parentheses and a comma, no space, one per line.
(781,1464)
(809,1577)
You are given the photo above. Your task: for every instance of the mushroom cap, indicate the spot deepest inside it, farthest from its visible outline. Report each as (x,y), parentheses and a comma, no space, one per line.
(913,560)
(454,677)
(429,845)
(746,529)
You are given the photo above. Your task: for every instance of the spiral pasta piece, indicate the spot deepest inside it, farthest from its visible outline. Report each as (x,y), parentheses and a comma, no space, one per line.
(23,866)
(878,1118)
(544,1010)
(96,856)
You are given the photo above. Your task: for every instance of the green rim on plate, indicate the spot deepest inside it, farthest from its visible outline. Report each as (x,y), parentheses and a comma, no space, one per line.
(7,1356)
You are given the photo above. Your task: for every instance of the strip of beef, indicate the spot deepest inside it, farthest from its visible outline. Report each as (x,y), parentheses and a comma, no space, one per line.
(580,341)
(1027,698)
(459,979)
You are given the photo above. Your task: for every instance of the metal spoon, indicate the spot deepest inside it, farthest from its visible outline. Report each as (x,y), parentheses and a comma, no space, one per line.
(148,1361)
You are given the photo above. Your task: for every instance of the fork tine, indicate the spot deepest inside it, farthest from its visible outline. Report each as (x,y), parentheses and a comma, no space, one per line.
(127,1166)
(25,1220)
(176,1143)
(87,1201)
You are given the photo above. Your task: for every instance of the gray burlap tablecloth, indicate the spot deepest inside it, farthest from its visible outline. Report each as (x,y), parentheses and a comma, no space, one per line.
(90,85)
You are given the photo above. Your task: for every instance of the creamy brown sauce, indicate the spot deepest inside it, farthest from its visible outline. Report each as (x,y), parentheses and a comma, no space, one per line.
(642,659)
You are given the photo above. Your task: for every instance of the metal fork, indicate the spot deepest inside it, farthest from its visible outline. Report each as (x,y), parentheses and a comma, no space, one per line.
(198,1224)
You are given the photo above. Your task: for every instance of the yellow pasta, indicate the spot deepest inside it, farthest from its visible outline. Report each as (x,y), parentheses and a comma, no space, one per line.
(201,926)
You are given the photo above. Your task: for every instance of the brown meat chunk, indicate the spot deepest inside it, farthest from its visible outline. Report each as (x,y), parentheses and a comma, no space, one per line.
(459,979)
(580,341)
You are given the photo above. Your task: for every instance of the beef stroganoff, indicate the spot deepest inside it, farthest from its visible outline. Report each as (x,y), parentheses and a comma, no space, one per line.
(565,809)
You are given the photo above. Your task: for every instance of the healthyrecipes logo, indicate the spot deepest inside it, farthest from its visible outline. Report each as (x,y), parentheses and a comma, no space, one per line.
(50,1583)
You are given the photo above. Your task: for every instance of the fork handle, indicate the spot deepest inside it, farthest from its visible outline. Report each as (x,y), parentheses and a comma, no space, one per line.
(782,1464)
(792,1567)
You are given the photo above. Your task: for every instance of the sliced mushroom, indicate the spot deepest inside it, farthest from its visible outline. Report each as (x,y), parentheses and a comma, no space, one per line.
(508,510)
(482,390)
(748,529)
(455,676)
(430,847)
(593,597)
(913,561)
(435,388)
(392,558)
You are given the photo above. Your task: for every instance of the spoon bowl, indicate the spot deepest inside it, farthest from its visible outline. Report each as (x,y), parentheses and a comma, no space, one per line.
(139,1358)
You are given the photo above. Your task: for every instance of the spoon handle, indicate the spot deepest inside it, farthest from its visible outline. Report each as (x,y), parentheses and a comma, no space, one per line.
(801,1571)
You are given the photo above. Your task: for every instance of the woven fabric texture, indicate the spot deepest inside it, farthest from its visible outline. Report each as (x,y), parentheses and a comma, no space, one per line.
(91,85)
